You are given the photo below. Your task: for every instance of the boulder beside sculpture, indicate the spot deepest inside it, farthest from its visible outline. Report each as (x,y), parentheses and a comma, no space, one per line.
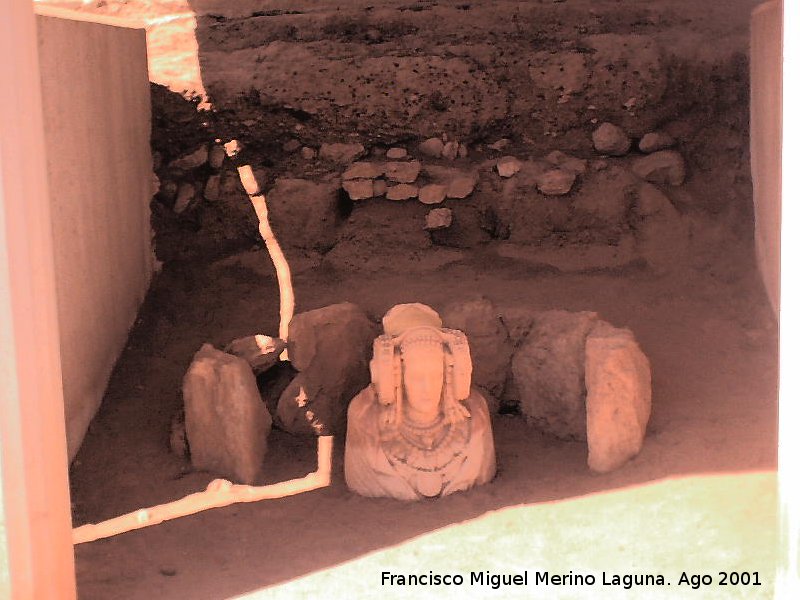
(227,424)
(618,397)
(580,378)
(418,430)
(330,348)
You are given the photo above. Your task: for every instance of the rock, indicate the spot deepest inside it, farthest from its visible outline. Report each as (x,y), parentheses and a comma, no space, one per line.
(216,157)
(556,182)
(233,147)
(548,370)
(331,347)
(291,146)
(461,186)
(518,321)
(655,141)
(432,147)
(226,422)
(341,153)
(618,397)
(308,153)
(662,237)
(261,352)
(470,228)
(562,72)
(489,343)
(450,150)
(508,166)
(304,214)
(379,187)
(363,170)
(500,144)
(190,161)
(402,191)
(463,151)
(403,172)
(601,207)
(359,189)
(664,166)
(186,195)
(438,218)
(396,153)
(610,139)
(211,191)
(433,193)
(567,162)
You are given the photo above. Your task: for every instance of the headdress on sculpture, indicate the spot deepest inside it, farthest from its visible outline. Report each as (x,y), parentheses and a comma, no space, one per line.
(408,325)
(403,317)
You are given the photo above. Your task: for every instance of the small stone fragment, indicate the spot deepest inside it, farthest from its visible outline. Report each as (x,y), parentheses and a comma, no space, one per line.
(461,186)
(291,146)
(186,194)
(359,189)
(403,191)
(499,144)
(233,148)
(190,161)
(438,218)
(655,141)
(565,161)
(664,166)
(216,157)
(610,139)
(396,153)
(308,153)
(341,153)
(556,182)
(433,193)
(432,147)
(211,191)
(450,150)
(379,187)
(508,166)
(363,170)
(403,172)
(260,351)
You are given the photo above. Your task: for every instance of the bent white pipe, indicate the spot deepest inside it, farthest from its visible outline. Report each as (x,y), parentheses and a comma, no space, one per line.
(219,493)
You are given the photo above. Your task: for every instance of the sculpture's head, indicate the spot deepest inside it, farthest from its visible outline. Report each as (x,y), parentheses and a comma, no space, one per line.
(419,367)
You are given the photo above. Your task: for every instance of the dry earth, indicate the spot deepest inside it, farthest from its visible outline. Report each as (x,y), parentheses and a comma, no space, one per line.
(395,72)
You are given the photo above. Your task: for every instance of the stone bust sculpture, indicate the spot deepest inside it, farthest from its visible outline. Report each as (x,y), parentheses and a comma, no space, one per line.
(419,429)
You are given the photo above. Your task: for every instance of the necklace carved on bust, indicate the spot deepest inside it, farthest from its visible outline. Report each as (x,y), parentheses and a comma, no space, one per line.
(425,448)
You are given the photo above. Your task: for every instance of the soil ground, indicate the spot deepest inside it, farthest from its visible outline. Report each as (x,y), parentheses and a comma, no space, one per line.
(706,328)
(711,343)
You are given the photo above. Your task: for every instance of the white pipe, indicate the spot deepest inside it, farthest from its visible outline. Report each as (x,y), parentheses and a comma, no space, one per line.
(219,492)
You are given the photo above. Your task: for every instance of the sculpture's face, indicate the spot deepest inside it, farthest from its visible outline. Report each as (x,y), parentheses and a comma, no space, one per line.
(423,379)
